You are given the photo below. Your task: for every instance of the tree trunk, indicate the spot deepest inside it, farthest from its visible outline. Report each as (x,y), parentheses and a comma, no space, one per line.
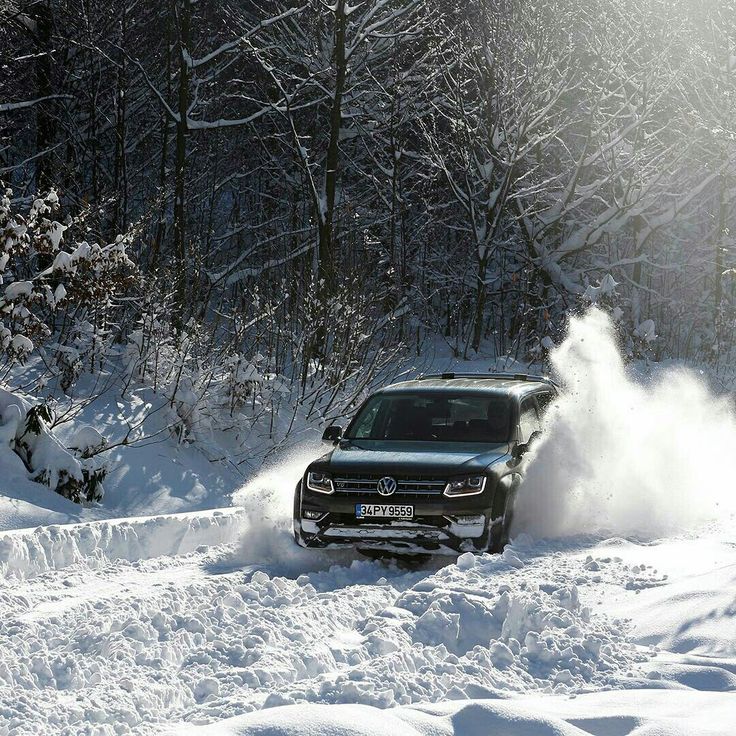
(720,247)
(163,184)
(43,18)
(184,29)
(121,166)
(480,302)
(326,230)
(636,277)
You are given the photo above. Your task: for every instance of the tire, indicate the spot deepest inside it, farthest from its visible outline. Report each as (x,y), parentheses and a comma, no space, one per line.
(502,515)
(499,536)
(297,517)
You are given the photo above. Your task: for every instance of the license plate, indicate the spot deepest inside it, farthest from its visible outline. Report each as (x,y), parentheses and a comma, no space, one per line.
(383,511)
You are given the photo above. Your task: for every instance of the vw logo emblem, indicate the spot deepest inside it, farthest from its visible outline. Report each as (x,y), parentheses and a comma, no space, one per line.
(387,486)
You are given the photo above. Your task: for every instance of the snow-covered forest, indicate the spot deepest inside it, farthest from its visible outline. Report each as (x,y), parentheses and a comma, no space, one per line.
(246,205)
(224,223)
(278,170)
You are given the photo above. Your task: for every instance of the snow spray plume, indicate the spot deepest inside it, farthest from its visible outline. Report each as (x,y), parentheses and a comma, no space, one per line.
(622,456)
(268,501)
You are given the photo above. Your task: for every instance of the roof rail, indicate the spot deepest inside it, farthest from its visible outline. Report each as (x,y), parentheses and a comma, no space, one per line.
(491,376)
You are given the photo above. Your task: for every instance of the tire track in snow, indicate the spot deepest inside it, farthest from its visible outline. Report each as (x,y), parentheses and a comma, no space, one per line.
(126,646)
(133,643)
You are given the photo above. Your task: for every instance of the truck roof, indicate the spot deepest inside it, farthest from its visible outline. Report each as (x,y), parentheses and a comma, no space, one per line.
(473,382)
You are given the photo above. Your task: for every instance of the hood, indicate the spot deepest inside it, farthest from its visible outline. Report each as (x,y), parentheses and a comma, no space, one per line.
(377,457)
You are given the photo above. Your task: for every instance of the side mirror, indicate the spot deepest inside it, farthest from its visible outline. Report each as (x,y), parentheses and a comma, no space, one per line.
(520,450)
(332,434)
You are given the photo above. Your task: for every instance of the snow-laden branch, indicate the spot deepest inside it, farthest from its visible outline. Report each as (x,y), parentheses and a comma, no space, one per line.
(13,106)
(241,40)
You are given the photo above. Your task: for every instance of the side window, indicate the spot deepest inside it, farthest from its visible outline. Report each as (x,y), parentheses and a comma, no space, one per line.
(366,426)
(528,419)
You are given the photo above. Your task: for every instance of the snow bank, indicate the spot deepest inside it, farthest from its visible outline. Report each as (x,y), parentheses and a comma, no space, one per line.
(691,612)
(622,713)
(29,552)
(624,456)
(464,719)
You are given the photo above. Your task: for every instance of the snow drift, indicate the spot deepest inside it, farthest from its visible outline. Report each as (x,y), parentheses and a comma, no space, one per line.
(126,648)
(627,713)
(626,456)
(26,553)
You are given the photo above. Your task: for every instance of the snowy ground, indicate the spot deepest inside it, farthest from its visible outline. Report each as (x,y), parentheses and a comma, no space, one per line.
(212,622)
(582,636)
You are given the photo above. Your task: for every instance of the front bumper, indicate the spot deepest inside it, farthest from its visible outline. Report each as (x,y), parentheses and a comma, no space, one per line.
(440,525)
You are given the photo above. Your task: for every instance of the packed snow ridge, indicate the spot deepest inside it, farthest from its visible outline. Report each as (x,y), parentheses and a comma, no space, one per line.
(30,552)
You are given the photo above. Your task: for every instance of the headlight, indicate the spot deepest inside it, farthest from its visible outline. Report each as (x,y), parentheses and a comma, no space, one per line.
(320,482)
(471,486)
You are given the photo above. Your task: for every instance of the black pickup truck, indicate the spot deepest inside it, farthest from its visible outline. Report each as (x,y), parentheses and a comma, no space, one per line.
(430,465)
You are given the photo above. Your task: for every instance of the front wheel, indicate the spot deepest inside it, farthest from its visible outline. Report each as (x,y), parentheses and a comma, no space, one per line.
(297,516)
(502,517)
(499,535)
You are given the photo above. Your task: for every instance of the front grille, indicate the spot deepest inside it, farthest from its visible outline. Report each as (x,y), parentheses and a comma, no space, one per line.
(366,485)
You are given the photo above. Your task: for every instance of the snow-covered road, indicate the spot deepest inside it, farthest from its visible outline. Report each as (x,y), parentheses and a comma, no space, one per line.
(129,637)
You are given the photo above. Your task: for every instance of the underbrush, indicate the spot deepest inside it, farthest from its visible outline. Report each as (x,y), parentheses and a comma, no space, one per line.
(82,326)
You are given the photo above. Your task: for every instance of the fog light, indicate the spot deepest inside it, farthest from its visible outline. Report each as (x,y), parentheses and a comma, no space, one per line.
(469,520)
(312,515)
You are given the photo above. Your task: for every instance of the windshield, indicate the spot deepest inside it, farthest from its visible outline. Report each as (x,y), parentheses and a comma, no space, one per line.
(426,417)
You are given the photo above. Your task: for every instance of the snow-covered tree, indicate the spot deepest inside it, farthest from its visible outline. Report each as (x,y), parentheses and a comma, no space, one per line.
(59,294)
